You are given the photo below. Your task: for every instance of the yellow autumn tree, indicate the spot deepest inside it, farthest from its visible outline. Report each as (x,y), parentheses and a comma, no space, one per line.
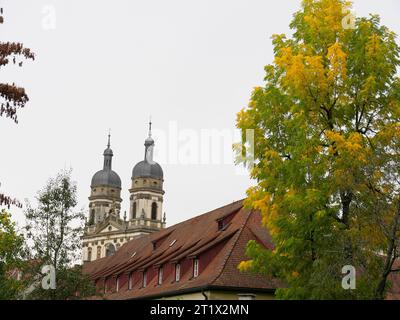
(327,131)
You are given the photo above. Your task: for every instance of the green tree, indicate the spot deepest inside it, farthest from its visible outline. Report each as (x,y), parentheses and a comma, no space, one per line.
(327,134)
(54,229)
(11,248)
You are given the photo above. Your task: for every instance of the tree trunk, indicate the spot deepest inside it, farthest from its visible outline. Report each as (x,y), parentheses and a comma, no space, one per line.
(390,257)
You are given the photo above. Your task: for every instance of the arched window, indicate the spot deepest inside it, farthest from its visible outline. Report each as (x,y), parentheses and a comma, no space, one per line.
(89,254)
(134,211)
(98,252)
(154,211)
(110,250)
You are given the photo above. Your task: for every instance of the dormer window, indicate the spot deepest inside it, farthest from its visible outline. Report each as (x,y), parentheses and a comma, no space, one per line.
(160,275)
(177,272)
(195,268)
(222,224)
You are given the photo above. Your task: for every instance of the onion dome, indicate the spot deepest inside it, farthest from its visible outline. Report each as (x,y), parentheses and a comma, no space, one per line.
(148,168)
(106,177)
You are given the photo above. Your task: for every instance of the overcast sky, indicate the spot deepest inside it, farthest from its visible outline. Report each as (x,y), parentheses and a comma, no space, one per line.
(100,64)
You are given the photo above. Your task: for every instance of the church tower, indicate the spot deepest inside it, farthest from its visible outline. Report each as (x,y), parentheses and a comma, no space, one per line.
(102,236)
(105,196)
(105,230)
(146,192)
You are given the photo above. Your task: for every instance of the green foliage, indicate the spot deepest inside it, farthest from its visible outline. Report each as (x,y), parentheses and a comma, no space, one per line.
(11,248)
(54,229)
(327,137)
(72,284)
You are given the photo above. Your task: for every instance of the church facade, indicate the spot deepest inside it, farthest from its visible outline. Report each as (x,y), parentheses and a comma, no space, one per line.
(106,231)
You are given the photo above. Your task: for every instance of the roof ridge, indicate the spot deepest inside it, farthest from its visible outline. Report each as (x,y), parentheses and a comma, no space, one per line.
(233,246)
(208,212)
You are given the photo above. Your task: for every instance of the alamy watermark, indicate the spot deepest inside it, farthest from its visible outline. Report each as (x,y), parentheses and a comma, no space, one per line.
(49,19)
(349,20)
(349,280)
(207,146)
(49,279)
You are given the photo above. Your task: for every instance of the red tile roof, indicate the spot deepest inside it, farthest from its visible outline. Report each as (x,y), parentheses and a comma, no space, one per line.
(219,253)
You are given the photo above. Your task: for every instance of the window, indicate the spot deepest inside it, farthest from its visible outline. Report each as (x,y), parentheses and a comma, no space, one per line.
(177,272)
(89,254)
(160,275)
(134,210)
(91,218)
(144,279)
(98,252)
(223,223)
(110,250)
(130,283)
(196,268)
(154,211)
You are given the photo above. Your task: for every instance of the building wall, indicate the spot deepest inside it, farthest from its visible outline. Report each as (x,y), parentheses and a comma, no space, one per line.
(117,239)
